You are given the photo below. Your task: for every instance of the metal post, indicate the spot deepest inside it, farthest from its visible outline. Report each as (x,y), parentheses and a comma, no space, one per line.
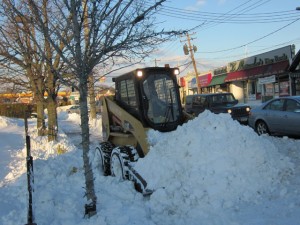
(30,180)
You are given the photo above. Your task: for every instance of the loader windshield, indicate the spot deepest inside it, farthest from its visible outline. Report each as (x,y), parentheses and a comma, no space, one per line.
(162,99)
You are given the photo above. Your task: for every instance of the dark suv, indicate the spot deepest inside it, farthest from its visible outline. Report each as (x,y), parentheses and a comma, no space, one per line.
(217,103)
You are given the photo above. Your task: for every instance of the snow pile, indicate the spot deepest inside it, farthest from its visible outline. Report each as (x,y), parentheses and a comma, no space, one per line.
(40,148)
(212,161)
(5,122)
(210,171)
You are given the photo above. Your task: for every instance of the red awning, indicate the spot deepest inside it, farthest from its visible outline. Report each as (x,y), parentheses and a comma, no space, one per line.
(237,75)
(205,80)
(260,71)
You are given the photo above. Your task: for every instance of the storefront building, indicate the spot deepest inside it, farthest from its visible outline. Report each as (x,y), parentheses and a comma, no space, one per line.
(295,74)
(261,77)
(254,79)
(204,81)
(217,83)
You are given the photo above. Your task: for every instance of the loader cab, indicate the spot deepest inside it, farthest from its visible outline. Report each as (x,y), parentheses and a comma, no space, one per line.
(152,96)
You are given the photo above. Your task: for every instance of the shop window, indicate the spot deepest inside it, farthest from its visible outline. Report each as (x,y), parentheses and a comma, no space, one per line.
(269,89)
(252,88)
(259,88)
(284,88)
(297,86)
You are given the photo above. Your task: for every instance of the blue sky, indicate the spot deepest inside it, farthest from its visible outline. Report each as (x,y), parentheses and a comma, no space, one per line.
(247,27)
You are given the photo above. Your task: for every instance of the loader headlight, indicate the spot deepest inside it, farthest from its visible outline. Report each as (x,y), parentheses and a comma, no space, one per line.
(176,71)
(248,109)
(139,73)
(229,111)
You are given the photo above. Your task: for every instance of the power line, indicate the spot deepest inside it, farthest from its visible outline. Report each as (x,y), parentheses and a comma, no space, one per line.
(251,42)
(249,20)
(228,17)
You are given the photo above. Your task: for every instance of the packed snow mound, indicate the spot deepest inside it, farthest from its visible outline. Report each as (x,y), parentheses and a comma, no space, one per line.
(8,122)
(211,161)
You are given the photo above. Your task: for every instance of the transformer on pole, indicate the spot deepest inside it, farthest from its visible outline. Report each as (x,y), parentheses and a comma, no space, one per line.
(190,49)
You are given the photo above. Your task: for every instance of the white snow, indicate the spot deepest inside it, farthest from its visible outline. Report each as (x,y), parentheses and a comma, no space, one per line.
(210,171)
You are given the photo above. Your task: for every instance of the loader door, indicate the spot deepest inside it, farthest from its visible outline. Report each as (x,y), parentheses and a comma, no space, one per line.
(162,108)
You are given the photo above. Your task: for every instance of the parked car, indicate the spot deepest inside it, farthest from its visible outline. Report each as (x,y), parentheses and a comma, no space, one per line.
(277,116)
(74,109)
(217,103)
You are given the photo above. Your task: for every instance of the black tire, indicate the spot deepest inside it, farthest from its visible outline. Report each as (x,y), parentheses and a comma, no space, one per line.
(120,159)
(261,128)
(104,153)
(118,163)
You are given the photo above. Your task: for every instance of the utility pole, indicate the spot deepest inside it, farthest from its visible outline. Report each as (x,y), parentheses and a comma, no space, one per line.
(191,49)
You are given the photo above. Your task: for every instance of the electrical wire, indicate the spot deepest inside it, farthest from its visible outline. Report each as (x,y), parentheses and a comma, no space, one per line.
(258,39)
(268,17)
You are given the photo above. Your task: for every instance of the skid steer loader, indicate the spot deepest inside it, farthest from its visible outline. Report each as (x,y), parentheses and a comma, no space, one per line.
(144,99)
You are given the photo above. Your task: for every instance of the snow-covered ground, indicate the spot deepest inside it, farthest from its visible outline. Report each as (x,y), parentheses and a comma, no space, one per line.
(210,171)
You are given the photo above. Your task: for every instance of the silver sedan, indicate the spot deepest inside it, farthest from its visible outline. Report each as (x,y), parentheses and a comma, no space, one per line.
(277,116)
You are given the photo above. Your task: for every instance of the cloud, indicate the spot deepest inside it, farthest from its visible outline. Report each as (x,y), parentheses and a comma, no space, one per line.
(200,2)
(197,5)
(220,2)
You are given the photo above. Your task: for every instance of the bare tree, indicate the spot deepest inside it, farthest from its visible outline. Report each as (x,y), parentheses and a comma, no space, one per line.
(19,56)
(23,44)
(116,29)
(12,80)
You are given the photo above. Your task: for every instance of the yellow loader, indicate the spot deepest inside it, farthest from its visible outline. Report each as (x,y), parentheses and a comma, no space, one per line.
(144,99)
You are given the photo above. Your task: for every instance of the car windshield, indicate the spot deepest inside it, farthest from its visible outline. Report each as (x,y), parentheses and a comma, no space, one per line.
(222,99)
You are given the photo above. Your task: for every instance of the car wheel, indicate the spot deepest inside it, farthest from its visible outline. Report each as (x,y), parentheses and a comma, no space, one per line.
(261,128)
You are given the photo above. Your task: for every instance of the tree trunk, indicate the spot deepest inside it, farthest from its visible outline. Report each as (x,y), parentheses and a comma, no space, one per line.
(52,118)
(92,97)
(88,173)
(41,127)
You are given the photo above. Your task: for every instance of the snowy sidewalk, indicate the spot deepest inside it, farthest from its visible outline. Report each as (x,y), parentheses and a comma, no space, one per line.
(12,140)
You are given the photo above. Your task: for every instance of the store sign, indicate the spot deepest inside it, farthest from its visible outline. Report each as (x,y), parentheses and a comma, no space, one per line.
(267,80)
(220,71)
(192,83)
(205,80)
(274,56)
